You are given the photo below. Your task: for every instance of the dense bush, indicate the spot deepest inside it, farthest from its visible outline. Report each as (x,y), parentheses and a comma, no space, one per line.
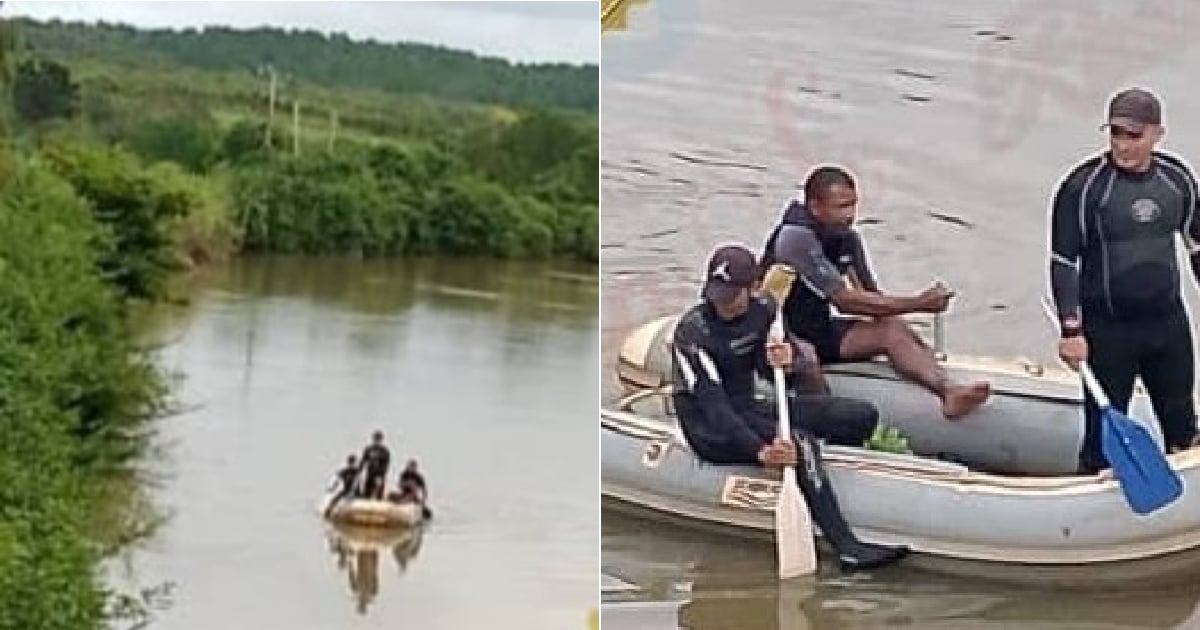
(75,396)
(394,201)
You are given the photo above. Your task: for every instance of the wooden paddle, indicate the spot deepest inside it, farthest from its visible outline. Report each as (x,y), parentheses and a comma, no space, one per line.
(793,525)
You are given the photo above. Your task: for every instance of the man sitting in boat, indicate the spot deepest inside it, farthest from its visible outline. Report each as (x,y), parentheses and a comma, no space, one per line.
(818,240)
(375,458)
(718,346)
(345,478)
(412,488)
(412,482)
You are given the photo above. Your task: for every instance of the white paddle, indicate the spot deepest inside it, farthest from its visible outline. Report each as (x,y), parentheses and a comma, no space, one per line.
(793,525)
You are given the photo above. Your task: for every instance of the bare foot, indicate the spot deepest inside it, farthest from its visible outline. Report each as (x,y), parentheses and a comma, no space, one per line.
(959,400)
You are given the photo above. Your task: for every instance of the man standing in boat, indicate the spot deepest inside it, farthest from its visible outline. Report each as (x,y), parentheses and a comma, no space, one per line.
(718,347)
(817,239)
(375,458)
(1114,275)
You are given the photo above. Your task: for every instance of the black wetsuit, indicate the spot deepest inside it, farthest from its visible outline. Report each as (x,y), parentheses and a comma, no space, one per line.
(375,458)
(820,259)
(1113,269)
(413,477)
(714,365)
(413,480)
(347,476)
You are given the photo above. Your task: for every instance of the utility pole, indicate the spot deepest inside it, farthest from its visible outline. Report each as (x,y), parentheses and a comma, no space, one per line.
(296,127)
(271,111)
(333,120)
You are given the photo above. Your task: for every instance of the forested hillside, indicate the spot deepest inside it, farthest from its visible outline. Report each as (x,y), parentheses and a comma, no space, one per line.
(332,61)
(320,167)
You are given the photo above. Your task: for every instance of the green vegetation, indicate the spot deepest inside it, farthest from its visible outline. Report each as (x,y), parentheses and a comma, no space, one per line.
(413,158)
(333,60)
(75,397)
(118,168)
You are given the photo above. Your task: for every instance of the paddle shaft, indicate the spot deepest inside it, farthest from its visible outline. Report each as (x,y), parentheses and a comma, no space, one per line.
(1089,380)
(793,529)
(781,402)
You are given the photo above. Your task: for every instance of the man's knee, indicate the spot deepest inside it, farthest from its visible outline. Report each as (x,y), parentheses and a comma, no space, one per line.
(896,332)
(808,362)
(853,420)
(806,354)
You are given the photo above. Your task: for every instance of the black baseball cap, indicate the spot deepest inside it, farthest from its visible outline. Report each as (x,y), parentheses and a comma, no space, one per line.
(1134,109)
(730,269)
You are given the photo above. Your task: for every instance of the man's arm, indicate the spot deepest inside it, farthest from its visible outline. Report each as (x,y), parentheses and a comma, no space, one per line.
(1066,244)
(798,246)
(863,274)
(1191,227)
(761,364)
(702,381)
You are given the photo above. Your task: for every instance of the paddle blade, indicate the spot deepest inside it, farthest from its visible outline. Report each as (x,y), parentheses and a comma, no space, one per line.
(793,531)
(1145,475)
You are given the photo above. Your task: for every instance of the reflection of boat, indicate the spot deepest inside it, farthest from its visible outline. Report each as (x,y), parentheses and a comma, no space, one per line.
(358,549)
(940,508)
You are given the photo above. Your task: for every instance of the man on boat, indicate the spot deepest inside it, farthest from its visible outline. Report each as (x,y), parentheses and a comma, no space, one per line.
(375,458)
(345,478)
(817,239)
(718,347)
(1114,275)
(411,489)
(412,483)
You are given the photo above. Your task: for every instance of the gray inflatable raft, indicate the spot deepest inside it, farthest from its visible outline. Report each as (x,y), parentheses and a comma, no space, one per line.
(1026,509)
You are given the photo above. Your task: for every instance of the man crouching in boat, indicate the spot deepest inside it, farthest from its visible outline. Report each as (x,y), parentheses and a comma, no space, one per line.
(412,489)
(718,346)
(817,238)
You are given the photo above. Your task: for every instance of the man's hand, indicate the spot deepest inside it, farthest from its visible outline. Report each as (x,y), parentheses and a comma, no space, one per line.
(779,354)
(1073,350)
(778,454)
(935,299)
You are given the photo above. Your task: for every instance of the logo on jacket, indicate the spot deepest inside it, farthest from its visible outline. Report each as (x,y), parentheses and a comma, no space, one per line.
(1146,210)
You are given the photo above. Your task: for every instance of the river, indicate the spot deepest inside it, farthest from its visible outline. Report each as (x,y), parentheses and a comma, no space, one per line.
(484,371)
(958,119)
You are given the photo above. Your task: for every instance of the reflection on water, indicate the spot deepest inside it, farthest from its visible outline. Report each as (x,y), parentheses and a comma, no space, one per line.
(720,582)
(357,555)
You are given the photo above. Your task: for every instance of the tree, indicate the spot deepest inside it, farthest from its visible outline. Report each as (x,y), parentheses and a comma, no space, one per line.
(8,44)
(43,90)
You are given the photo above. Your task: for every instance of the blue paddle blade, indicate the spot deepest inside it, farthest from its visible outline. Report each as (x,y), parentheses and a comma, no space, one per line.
(1142,469)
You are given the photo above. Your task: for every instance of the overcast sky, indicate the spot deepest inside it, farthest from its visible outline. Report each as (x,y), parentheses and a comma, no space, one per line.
(521,31)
